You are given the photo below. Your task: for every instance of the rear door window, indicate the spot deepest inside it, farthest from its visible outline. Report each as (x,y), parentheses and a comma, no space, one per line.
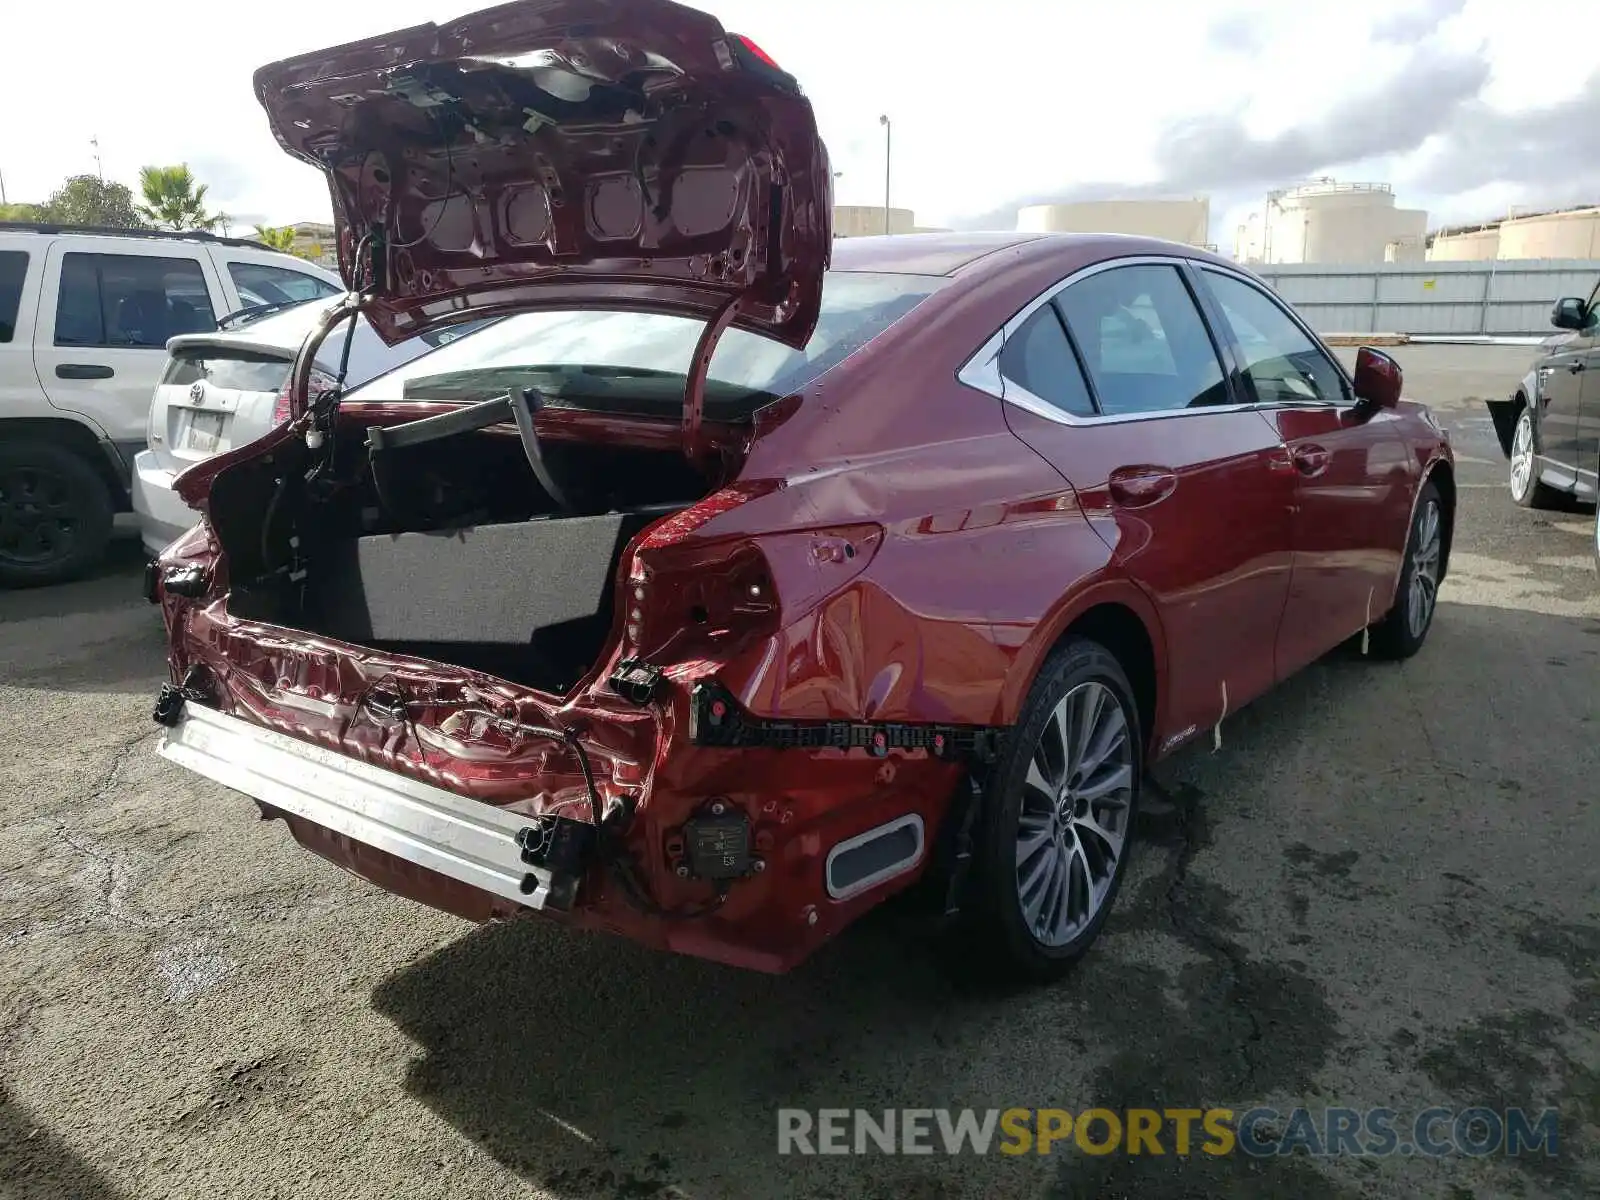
(130,300)
(260,284)
(13,270)
(1039,358)
(1143,341)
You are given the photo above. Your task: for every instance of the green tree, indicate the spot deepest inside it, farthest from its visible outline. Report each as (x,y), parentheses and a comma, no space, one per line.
(21,212)
(90,200)
(173,200)
(280,238)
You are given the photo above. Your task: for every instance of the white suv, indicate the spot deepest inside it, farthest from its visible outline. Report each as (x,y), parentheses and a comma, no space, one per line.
(85,316)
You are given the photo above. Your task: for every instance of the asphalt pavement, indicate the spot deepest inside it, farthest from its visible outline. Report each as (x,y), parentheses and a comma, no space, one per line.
(1380,893)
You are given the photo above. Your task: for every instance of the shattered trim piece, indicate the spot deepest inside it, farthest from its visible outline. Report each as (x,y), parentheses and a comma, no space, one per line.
(717,719)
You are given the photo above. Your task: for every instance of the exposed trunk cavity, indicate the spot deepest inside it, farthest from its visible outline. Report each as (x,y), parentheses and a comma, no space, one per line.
(450,550)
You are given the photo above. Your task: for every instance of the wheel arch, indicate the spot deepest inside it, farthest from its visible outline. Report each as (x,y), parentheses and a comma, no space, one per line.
(1443,477)
(1116,614)
(69,435)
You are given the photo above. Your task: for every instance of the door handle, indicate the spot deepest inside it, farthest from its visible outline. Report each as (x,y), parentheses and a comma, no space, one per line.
(1310,460)
(1575,365)
(83,371)
(1140,487)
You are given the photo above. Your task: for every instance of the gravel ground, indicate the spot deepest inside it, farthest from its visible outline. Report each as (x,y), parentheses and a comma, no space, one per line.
(1380,893)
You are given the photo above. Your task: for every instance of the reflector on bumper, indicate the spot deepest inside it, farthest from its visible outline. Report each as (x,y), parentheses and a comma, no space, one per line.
(464,839)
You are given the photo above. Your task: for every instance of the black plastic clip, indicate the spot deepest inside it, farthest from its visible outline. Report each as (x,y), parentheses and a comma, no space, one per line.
(187,581)
(169,705)
(172,696)
(636,681)
(562,847)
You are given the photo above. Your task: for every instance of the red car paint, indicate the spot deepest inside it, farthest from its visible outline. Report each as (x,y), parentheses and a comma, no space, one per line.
(890,544)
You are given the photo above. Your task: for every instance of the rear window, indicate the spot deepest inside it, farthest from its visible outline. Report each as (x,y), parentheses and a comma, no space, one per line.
(592,356)
(13,270)
(228,369)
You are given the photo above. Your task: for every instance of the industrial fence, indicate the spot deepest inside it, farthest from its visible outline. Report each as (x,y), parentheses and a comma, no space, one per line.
(1497,298)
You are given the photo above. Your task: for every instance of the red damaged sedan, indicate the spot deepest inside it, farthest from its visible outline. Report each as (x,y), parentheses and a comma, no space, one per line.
(718,591)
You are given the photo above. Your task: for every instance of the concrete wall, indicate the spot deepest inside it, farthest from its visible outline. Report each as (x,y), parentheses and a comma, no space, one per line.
(865,220)
(1432,298)
(1187,221)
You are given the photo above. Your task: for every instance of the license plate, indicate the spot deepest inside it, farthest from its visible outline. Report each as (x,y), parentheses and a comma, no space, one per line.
(203,432)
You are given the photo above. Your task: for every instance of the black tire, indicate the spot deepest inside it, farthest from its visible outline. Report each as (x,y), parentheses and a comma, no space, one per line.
(994,937)
(1533,494)
(1397,636)
(55,514)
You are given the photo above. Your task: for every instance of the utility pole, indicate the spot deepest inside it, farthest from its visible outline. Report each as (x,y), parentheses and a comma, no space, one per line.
(888,130)
(3,188)
(99,169)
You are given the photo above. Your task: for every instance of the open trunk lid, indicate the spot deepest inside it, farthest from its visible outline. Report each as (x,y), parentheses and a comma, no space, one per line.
(563,154)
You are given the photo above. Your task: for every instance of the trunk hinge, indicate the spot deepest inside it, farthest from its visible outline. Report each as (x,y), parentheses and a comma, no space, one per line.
(694,397)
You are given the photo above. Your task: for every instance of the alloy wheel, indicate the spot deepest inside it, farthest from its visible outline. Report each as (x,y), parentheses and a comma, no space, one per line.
(1522,458)
(1424,569)
(1072,826)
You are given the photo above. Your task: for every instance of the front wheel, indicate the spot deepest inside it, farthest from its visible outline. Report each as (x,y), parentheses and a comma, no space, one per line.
(1057,823)
(1526,490)
(1402,632)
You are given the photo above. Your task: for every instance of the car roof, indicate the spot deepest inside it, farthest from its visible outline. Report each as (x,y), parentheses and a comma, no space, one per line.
(952,253)
(921,253)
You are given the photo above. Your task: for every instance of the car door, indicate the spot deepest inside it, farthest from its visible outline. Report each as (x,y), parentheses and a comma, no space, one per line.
(1115,380)
(1560,438)
(1352,472)
(109,306)
(1586,439)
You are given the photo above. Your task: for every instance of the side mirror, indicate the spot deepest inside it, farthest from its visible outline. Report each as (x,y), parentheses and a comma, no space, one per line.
(1378,378)
(1569,313)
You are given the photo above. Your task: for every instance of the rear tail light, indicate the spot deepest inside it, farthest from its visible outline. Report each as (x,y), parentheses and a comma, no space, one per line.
(320,382)
(752,57)
(756,52)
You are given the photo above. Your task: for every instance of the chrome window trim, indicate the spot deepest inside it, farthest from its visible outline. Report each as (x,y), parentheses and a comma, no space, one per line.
(981,371)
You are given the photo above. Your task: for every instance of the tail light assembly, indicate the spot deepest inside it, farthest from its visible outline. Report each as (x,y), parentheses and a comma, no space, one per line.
(321,382)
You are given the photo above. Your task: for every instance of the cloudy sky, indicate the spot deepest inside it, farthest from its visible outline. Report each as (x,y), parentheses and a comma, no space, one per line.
(1466,106)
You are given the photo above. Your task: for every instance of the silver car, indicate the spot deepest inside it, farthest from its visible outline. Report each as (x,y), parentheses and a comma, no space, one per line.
(226,388)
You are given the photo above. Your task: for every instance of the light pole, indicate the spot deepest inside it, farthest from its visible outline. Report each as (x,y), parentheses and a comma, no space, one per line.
(888,130)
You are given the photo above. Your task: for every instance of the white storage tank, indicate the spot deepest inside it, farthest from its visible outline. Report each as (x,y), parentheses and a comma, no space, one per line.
(1465,245)
(866,220)
(1187,221)
(1571,234)
(1331,222)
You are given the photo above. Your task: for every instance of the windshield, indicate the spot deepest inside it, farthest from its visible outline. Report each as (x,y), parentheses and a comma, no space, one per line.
(596,355)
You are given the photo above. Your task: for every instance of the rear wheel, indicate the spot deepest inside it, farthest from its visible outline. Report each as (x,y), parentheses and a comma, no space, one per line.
(1402,632)
(1057,823)
(1526,489)
(55,514)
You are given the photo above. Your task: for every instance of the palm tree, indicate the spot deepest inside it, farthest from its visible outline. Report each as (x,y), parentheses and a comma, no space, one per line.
(173,200)
(281,238)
